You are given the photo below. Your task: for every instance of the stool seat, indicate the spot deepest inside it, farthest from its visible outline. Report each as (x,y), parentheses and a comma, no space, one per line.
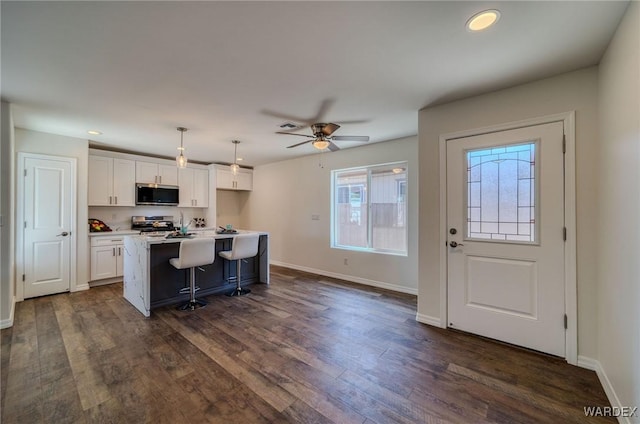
(194,253)
(243,246)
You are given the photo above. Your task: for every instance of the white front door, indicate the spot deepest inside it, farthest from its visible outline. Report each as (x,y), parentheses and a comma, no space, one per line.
(48,208)
(505,218)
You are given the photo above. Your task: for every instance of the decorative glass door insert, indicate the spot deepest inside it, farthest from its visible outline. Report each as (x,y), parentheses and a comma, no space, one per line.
(501,193)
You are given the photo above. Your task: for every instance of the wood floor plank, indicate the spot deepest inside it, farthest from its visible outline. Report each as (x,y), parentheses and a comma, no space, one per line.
(305,349)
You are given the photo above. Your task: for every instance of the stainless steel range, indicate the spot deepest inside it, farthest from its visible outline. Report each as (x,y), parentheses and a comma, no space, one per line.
(152,224)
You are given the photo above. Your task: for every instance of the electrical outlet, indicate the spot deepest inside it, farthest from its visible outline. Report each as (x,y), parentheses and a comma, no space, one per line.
(346,261)
(315,217)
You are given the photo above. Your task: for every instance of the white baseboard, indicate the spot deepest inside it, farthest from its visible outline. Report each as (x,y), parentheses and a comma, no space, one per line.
(6,323)
(105,282)
(429,320)
(81,287)
(351,278)
(595,365)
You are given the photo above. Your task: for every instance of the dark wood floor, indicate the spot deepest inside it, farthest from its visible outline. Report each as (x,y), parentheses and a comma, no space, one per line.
(306,349)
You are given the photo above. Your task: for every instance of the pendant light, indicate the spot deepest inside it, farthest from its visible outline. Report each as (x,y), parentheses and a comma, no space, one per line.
(234,166)
(181,160)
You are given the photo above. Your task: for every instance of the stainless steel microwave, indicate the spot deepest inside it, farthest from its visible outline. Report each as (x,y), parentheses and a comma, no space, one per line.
(157,194)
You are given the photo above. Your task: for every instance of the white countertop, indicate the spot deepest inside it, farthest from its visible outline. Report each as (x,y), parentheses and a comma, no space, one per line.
(136,232)
(113,233)
(160,239)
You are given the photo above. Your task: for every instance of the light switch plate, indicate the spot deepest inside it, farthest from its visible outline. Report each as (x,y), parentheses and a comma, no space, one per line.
(315,217)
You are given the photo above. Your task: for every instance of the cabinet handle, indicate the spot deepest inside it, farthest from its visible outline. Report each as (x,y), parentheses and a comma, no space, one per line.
(160,178)
(114,251)
(116,202)
(110,199)
(119,251)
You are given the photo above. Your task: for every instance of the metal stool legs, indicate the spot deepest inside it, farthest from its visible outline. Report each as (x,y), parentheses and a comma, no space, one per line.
(238,291)
(193,303)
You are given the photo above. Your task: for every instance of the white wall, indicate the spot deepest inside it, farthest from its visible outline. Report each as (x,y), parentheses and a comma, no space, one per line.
(618,224)
(50,144)
(286,194)
(7,209)
(572,91)
(229,207)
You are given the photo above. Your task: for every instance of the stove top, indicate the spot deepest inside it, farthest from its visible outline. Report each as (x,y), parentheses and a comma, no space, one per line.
(152,224)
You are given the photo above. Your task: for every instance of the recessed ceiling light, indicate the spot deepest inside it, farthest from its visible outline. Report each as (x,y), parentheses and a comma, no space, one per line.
(94,132)
(239,159)
(483,20)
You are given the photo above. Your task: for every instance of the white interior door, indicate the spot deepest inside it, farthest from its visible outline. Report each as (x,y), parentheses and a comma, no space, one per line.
(505,217)
(48,220)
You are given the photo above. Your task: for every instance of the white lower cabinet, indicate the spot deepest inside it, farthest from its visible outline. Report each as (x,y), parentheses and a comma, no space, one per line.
(106,257)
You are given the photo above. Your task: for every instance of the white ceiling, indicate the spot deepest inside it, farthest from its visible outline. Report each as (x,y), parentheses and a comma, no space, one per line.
(138,70)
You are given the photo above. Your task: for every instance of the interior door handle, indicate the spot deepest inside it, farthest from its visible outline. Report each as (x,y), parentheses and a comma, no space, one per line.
(63,234)
(455,244)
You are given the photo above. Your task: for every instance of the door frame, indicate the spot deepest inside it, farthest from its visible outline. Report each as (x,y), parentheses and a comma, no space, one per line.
(570,269)
(20,214)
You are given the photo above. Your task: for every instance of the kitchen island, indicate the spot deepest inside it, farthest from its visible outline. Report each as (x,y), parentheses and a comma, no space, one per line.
(150,281)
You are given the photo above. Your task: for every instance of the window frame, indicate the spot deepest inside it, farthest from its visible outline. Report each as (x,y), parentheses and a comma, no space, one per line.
(366,206)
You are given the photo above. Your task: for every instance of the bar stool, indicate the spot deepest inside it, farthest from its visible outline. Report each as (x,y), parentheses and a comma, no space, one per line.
(194,253)
(243,246)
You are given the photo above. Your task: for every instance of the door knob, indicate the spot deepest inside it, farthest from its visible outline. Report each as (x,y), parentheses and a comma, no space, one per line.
(63,234)
(455,244)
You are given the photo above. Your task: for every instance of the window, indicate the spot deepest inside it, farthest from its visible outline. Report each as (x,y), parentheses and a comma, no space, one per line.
(370,208)
(501,193)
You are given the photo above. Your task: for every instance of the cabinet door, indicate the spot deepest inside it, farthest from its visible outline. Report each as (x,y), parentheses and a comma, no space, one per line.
(103,262)
(224,179)
(100,181)
(168,174)
(146,172)
(201,188)
(119,262)
(185,178)
(244,181)
(124,179)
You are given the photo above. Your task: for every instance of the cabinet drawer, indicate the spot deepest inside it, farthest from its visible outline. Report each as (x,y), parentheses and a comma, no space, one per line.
(106,240)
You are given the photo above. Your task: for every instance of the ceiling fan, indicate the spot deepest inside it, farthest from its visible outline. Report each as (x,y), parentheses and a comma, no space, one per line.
(322,138)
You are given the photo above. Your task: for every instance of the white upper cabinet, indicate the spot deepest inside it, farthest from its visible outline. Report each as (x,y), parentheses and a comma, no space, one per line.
(111,181)
(194,188)
(149,172)
(225,179)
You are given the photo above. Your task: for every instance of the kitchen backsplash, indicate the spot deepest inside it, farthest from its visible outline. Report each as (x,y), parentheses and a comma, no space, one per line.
(119,218)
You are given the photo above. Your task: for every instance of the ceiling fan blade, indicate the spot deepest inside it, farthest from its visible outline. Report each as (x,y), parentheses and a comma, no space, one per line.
(324,107)
(286,117)
(299,135)
(333,147)
(356,121)
(329,129)
(350,138)
(299,144)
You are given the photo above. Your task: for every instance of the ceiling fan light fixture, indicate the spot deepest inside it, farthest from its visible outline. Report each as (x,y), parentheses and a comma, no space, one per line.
(234,167)
(181,160)
(320,143)
(483,20)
